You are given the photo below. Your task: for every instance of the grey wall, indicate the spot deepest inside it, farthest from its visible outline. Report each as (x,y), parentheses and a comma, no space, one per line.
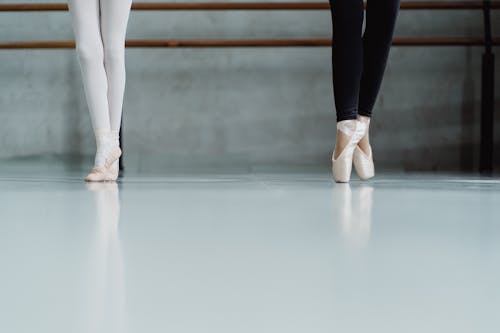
(254,106)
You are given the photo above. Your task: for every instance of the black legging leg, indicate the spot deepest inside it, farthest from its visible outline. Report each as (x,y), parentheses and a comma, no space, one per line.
(380,21)
(359,62)
(347,55)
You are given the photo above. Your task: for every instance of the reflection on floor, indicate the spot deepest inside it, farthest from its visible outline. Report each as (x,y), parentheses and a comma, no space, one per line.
(256,252)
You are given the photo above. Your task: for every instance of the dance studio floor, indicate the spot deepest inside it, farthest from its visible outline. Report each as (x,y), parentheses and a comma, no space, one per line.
(262,251)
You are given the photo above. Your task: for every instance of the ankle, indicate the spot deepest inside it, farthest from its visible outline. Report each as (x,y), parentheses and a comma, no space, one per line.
(347,127)
(345,130)
(364,119)
(364,143)
(115,137)
(106,141)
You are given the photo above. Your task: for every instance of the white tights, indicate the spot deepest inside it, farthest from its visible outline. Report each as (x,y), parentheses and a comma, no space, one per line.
(100,27)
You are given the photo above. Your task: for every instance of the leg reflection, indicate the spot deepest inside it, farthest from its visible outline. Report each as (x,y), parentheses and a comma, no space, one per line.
(353,207)
(106,300)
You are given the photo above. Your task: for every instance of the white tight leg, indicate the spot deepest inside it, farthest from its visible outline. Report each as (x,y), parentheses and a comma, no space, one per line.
(100,27)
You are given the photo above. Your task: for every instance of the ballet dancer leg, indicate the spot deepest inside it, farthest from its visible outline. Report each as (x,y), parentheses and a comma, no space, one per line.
(86,16)
(347,55)
(358,67)
(114,21)
(347,65)
(377,39)
(86,26)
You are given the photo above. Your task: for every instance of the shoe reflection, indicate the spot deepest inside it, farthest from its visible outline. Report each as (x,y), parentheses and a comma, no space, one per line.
(106,294)
(354,210)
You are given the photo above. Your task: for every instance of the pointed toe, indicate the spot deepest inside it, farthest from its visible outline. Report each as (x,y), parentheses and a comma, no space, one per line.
(342,164)
(363,163)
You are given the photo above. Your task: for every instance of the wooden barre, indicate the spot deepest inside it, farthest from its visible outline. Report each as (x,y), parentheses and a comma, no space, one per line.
(410,5)
(220,43)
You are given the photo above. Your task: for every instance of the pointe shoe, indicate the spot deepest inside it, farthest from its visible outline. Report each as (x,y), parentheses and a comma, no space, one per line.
(363,163)
(342,165)
(101,174)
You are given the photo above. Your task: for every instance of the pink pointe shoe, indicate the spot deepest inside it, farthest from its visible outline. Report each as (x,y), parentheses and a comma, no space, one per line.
(342,165)
(363,162)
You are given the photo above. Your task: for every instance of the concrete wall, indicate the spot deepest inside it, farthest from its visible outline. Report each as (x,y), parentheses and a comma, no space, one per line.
(246,106)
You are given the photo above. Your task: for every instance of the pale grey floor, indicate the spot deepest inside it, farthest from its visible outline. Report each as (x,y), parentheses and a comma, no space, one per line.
(262,251)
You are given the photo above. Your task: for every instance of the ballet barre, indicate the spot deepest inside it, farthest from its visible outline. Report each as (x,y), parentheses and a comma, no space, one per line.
(221,43)
(415,5)
(488,41)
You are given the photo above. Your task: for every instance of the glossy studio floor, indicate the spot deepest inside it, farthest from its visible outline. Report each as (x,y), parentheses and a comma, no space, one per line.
(261,250)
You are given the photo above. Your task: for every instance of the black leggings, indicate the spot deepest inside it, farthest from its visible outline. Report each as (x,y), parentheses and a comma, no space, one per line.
(359,61)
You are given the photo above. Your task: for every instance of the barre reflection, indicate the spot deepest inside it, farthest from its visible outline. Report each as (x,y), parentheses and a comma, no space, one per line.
(105,296)
(353,208)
